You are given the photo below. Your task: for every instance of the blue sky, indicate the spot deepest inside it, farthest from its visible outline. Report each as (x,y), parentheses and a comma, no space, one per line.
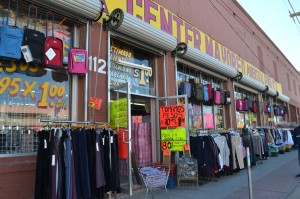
(273,17)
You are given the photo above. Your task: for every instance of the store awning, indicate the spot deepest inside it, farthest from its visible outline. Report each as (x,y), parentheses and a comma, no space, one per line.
(88,9)
(129,25)
(283,97)
(272,92)
(196,56)
(253,83)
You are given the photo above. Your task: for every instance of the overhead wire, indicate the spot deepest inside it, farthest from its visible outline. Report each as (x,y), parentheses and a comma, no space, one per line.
(294,11)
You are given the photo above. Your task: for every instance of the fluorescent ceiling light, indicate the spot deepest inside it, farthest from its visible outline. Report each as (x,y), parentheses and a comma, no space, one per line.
(132,65)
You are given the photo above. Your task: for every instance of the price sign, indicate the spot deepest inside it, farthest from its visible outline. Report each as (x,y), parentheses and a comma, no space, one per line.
(34,85)
(95,103)
(173,139)
(172,116)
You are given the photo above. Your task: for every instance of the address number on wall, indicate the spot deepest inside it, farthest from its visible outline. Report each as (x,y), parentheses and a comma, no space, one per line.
(97,65)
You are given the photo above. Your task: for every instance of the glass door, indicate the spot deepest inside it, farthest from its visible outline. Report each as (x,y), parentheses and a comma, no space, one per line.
(120,119)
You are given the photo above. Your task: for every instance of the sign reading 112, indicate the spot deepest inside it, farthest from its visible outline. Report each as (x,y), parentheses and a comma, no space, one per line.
(94,62)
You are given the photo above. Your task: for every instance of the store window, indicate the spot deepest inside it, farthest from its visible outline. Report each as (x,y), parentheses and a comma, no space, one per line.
(204,110)
(133,65)
(30,93)
(247,107)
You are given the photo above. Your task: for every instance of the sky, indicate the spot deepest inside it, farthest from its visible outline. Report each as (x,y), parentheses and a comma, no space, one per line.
(273,18)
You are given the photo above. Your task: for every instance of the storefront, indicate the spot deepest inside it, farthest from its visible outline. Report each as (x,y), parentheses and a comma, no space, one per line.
(141,58)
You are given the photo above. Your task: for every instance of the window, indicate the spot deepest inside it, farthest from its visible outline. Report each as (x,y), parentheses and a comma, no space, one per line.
(28,94)
(245,115)
(142,81)
(201,115)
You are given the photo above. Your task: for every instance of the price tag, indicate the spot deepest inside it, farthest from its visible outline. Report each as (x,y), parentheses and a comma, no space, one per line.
(186,147)
(53,160)
(45,144)
(103,141)
(167,152)
(97,146)
(111,139)
(95,103)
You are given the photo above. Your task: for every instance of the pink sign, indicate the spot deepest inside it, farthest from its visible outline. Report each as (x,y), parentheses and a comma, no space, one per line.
(209,120)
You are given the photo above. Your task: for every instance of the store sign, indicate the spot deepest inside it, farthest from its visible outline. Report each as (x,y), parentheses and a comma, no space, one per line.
(172,116)
(21,83)
(118,113)
(173,139)
(161,18)
(119,73)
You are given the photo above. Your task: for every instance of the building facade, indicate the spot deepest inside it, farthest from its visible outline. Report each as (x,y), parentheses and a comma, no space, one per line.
(142,55)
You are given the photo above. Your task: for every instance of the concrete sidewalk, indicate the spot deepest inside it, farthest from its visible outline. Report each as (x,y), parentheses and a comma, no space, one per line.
(274,179)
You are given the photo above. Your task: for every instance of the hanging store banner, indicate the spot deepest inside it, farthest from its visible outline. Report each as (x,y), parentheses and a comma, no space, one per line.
(118,113)
(173,139)
(172,116)
(161,18)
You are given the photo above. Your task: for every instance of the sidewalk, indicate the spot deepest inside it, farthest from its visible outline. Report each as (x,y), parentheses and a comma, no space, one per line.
(274,179)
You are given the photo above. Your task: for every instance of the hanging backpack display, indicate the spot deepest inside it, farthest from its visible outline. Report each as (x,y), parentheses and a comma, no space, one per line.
(239,104)
(77,61)
(246,104)
(199,91)
(11,38)
(217,97)
(185,88)
(192,82)
(227,97)
(222,97)
(254,106)
(53,57)
(205,94)
(210,91)
(35,40)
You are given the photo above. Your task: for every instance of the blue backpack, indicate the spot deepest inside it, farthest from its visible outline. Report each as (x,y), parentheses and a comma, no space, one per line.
(11,38)
(205,94)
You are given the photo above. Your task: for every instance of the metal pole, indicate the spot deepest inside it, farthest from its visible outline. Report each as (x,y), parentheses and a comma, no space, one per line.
(249,173)
(86,84)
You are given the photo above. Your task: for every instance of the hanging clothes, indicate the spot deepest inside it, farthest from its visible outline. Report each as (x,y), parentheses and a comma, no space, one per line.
(71,164)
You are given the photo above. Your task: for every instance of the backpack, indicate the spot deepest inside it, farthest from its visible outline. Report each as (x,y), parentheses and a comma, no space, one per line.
(217,97)
(254,107)
(185,88)
(77,61)
(192,82)
(199,91)
(205,94)
(227,97)
(210,91)
(53,46)
(35,40)
(239,103)
(11,38)
(246,104)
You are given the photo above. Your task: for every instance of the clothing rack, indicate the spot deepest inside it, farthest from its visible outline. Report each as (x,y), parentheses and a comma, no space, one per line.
(75,122)
(84,122)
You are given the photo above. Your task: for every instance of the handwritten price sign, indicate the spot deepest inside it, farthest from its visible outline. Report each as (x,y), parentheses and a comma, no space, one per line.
(172,116)
(48,92)
(173,139)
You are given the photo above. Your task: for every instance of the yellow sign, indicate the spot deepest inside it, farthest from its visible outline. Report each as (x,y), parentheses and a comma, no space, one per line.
(161,18)
(118,113)
(173,139)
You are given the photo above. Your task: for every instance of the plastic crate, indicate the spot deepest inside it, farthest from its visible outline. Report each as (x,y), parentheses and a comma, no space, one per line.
(171,182)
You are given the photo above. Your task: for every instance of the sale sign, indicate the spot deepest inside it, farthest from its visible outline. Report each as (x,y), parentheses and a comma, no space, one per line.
(172,116)
(173,139)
